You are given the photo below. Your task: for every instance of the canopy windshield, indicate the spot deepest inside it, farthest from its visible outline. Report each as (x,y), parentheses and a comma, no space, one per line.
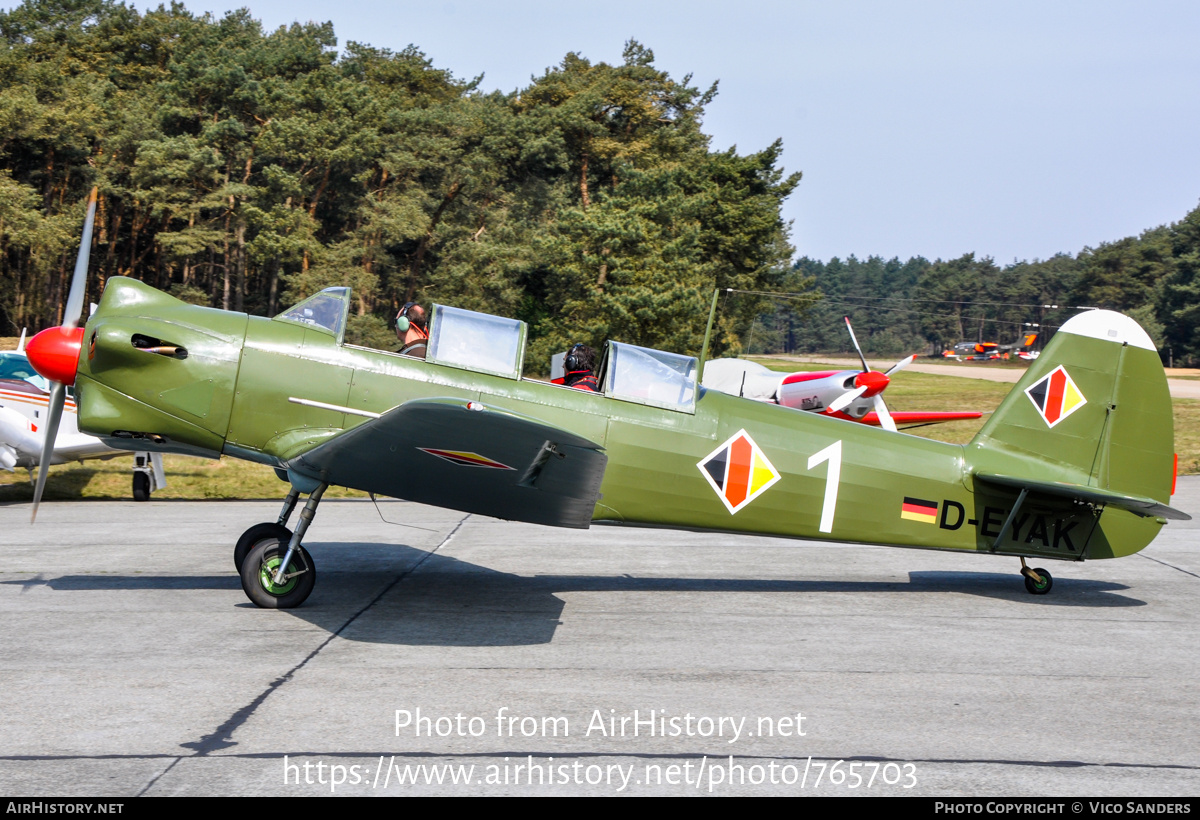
(324,311)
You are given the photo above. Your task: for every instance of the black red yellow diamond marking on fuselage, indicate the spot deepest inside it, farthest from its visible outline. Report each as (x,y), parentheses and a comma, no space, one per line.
(738,471)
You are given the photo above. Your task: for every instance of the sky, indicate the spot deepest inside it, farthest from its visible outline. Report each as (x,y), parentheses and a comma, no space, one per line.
(1014,130)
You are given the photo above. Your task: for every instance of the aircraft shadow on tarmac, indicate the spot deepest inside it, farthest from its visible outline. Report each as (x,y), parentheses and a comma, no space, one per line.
(369,592)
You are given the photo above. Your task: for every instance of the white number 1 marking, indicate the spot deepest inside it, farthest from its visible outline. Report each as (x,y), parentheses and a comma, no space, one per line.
(832,454)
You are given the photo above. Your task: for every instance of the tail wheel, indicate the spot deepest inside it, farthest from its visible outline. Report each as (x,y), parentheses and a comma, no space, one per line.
(141,487)
(251,537)
(258,575)
(1038,587)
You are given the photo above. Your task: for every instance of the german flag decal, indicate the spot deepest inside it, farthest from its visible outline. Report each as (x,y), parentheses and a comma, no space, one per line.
(738,471)
(918,509)
(1055,396)
(465,459)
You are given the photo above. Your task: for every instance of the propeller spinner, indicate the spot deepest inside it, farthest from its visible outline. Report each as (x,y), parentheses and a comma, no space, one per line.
(54,353)
(870,384)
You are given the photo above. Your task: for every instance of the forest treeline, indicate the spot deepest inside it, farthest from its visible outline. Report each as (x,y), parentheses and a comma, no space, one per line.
(917,305)
(247,169)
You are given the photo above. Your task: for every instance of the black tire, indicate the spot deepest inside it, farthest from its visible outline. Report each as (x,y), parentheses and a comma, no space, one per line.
(1039,589)
(141,487)
(259,567)
(259,532)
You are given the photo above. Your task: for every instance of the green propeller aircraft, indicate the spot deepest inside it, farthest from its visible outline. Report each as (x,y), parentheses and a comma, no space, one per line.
(1076,463)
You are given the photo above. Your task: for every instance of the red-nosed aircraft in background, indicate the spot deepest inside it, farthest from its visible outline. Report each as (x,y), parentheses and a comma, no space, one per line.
(856,395)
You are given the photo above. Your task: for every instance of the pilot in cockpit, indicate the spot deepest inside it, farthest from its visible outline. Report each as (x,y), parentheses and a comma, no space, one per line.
(412,330)
(579,364)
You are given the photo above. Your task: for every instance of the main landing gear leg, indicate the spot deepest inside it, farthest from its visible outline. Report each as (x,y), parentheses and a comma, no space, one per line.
(261,532)
(289,504)
(278,573)
(1037,580)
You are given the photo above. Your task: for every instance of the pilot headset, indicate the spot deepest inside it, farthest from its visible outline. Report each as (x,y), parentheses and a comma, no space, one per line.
(572,363)
(403,322)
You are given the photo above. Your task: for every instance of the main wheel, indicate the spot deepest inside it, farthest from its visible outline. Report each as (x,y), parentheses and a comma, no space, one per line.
(258,575)
(1039,589)
(141,487)
(251,537)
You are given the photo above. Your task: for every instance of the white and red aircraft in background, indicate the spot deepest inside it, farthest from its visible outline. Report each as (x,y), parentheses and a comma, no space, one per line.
(24,396)
(856,395)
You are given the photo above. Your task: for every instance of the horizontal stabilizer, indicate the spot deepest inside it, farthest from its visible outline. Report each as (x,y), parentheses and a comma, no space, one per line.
(465,456)
(1138,505)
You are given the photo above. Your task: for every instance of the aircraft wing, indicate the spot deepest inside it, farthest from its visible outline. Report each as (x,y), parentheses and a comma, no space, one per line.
(917,417)
(464,456)
(15,432)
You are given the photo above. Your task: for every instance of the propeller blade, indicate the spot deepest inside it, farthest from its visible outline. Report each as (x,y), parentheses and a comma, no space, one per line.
(56,349)
(900,365)
(845,399)
(21,344)
(74,308)
(854,339)
(58,396)
(885,418)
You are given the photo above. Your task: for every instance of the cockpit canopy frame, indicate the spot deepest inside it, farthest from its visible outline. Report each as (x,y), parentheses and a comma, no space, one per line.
(495,345)
(325,312)
(476,341)
(652,377)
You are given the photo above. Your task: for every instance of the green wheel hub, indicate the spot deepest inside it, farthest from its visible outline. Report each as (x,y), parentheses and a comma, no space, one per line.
(266,576)
(1038,587)
(258,575)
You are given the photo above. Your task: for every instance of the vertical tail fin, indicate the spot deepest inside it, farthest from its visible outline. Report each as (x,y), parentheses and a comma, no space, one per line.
(1092,411)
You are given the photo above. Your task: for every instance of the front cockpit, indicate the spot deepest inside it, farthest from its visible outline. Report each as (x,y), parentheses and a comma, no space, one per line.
(325,311)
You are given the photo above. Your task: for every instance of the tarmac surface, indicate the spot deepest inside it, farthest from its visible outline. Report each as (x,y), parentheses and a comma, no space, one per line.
(507,655)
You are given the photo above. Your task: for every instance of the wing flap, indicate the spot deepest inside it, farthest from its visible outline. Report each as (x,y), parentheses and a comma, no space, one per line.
(464,456)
